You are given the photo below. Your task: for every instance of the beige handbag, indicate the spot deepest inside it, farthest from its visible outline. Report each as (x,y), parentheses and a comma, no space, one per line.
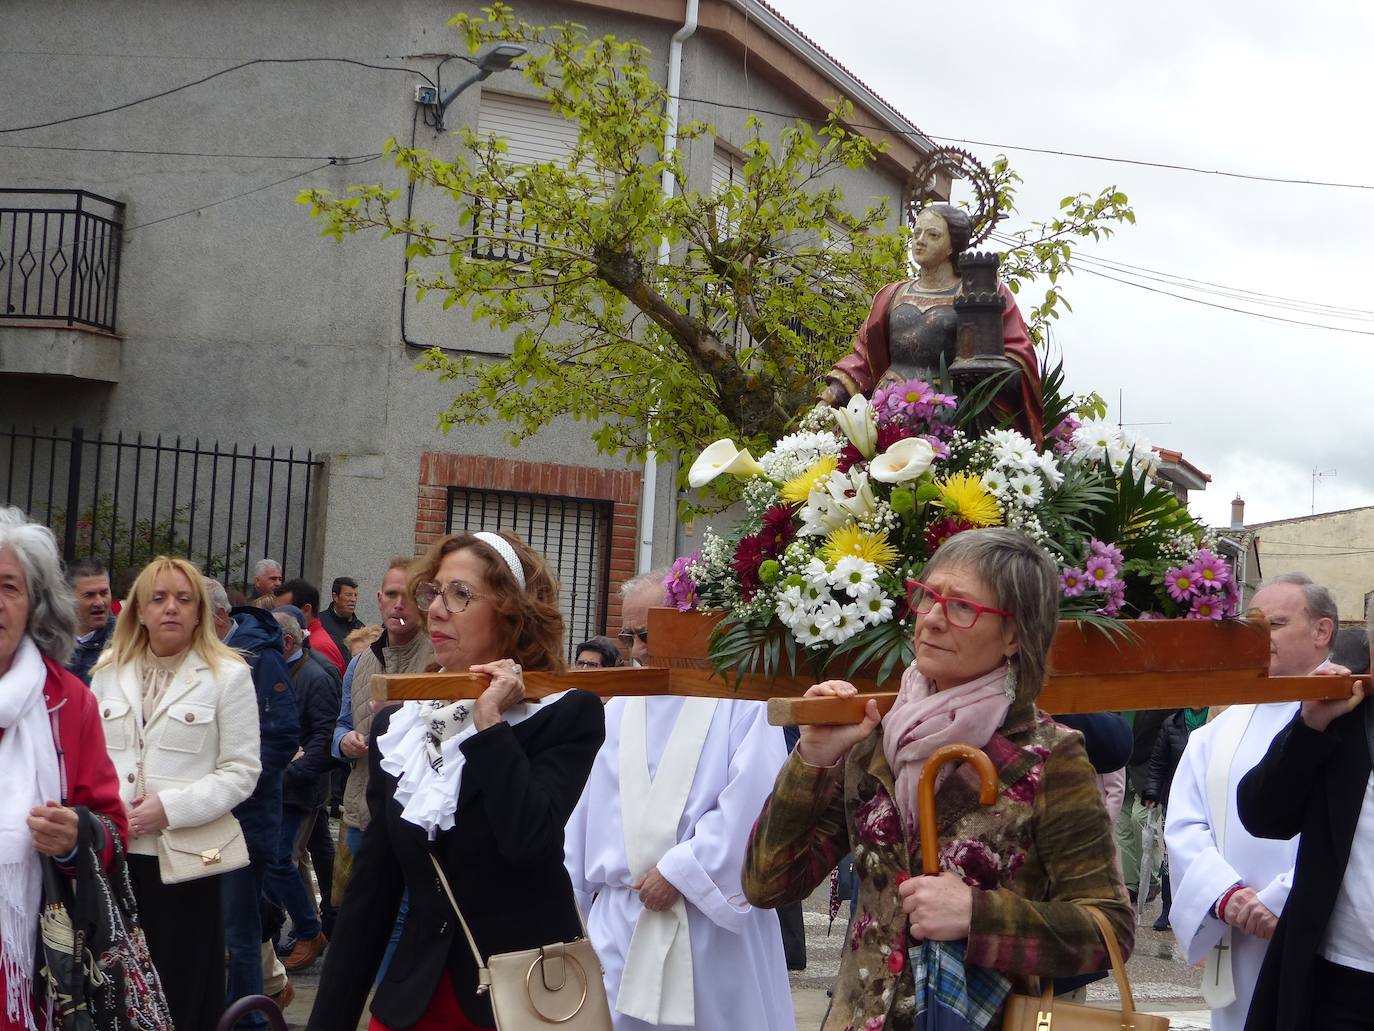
(1028,1013)
(556,985)
(189,853)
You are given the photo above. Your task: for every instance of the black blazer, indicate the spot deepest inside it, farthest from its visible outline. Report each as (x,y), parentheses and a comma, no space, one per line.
(503,859)
(1313,783)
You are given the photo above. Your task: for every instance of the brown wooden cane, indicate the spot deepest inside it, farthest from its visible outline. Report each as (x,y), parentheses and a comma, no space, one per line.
(925,796)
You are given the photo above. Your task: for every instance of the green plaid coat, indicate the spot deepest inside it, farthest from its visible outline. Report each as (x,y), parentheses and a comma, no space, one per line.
(1043,848)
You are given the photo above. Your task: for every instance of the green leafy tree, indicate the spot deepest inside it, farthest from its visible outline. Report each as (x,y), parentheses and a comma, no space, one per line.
(766,282)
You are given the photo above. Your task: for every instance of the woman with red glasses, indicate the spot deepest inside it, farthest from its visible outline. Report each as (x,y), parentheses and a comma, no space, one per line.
(1016,874)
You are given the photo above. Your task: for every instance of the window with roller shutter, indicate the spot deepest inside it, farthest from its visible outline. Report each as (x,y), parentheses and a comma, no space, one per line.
(533,134)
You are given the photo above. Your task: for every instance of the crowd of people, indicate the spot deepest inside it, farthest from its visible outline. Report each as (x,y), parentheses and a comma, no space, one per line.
(207,729)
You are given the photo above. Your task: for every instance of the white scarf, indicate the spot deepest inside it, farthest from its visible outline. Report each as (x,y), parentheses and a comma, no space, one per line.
(28,758)
(422,750)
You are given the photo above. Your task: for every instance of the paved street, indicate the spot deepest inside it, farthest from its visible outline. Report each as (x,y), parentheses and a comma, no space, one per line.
(1160,980)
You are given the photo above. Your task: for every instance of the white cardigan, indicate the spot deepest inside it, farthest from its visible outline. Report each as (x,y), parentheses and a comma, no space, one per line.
(200,748)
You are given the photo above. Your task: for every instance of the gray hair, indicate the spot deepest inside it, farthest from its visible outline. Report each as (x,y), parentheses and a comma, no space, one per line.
(1318,600)
(289,627)
(219,597)
(263,565)
(52,607)
(1024,579)
(653,578)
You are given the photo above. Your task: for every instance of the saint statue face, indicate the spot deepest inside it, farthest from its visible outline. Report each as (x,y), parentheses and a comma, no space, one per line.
(930,245)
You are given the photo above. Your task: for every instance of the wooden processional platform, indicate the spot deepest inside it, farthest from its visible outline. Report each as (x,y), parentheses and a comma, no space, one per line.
(1155,664)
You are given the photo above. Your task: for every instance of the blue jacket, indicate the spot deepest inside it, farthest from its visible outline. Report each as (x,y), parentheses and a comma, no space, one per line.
(88,651)
(258,636)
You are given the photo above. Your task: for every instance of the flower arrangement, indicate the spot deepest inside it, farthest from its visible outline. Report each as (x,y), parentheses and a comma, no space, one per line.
(840,514)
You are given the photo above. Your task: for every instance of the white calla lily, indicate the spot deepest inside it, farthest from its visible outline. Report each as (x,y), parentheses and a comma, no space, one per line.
(857,422)
(722,457)
(905,460)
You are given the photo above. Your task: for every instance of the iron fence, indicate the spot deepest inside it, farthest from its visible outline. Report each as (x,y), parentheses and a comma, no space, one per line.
(573,535)
(59,257)
(126,500)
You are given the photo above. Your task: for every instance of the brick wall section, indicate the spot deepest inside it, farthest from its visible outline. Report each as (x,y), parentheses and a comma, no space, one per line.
(439,471)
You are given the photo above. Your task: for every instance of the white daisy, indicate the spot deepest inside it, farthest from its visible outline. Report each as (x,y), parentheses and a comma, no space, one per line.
(876,606)
(853,575)
(1028,489)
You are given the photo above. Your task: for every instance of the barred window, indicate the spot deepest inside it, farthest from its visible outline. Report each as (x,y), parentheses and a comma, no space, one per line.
(573,535)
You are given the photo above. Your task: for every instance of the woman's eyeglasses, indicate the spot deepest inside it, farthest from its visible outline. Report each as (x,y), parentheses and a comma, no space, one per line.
(627,636)
(456,595)
(960,612)
(588,664)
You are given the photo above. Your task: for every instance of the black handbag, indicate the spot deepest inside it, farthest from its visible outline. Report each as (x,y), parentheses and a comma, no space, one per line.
(93,957)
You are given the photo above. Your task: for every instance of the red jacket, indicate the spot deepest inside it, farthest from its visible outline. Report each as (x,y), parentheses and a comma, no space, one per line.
(87,774)
(321,642)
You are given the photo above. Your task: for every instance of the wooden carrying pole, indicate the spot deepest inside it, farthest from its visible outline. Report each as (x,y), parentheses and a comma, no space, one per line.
(1165,664)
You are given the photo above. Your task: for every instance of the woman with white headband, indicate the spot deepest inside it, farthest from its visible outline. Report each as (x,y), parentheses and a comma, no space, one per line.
(485,787)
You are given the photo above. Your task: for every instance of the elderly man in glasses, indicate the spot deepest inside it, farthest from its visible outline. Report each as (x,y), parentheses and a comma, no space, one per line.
(658,841)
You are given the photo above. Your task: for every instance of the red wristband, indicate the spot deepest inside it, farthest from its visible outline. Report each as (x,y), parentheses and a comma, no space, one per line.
(1225,898)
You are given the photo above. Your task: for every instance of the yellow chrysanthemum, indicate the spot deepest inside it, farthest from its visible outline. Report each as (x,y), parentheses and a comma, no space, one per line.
(964,495)
(850,540)
(796,490)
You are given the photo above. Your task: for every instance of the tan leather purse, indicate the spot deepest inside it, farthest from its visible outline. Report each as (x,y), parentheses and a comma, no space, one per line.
(1029,1013)
(190,853)
(559,985)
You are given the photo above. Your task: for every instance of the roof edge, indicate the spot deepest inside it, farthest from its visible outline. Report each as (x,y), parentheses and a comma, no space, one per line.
(822,62)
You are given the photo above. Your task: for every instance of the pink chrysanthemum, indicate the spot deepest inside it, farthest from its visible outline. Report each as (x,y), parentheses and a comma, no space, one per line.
(1210,571)
(1207,606)
(1110,552)
(1073,582)
(1181,584)
(679,589)
(1099,571)
(1115,598)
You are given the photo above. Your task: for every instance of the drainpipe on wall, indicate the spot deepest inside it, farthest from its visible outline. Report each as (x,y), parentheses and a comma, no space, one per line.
(649,483)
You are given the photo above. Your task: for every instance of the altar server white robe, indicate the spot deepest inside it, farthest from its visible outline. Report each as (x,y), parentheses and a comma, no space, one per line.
(1200,873)
(738,969)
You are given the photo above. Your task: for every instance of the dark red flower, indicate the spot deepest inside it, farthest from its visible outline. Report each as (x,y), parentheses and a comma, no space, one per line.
(777,529)
(943,529)
(848,457)
(749,555)
(890,434)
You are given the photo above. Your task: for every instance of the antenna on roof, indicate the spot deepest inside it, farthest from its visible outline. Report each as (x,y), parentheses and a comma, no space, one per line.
(1317,474)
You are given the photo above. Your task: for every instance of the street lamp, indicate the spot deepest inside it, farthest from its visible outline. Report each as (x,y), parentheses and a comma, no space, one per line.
(498,59)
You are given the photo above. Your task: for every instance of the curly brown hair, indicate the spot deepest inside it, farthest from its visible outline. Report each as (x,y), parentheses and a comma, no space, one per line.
(529,621)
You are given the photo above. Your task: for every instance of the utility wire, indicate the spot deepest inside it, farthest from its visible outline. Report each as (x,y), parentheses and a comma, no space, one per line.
(1227,307)
(216,75)
(183,153)
(919,136)
(246,193)
(1293,304)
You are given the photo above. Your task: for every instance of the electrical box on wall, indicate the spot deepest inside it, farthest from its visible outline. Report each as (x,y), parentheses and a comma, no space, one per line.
(426,95)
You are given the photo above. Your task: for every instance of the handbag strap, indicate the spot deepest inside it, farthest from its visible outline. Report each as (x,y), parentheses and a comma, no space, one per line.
(1123,983)
(483,974)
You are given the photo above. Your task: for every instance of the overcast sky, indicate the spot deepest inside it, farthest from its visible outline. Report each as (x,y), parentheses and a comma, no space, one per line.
(1258,87)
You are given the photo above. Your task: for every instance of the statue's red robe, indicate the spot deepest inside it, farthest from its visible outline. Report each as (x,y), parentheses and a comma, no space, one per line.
(860,370)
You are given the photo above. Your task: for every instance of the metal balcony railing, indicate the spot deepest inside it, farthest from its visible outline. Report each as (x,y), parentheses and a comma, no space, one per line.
(59,257)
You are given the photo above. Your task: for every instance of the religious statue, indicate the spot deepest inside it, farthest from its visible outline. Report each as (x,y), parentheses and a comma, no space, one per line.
(917,324)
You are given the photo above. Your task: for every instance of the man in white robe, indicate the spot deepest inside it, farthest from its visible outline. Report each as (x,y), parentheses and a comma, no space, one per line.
(655,848)
(1210,852)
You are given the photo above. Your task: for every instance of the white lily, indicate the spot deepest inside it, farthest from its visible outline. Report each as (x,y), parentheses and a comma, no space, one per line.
(857,422)
(722,457)
(903,461)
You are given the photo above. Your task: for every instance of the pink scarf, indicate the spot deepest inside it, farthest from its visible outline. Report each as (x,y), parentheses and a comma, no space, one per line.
(923,720)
